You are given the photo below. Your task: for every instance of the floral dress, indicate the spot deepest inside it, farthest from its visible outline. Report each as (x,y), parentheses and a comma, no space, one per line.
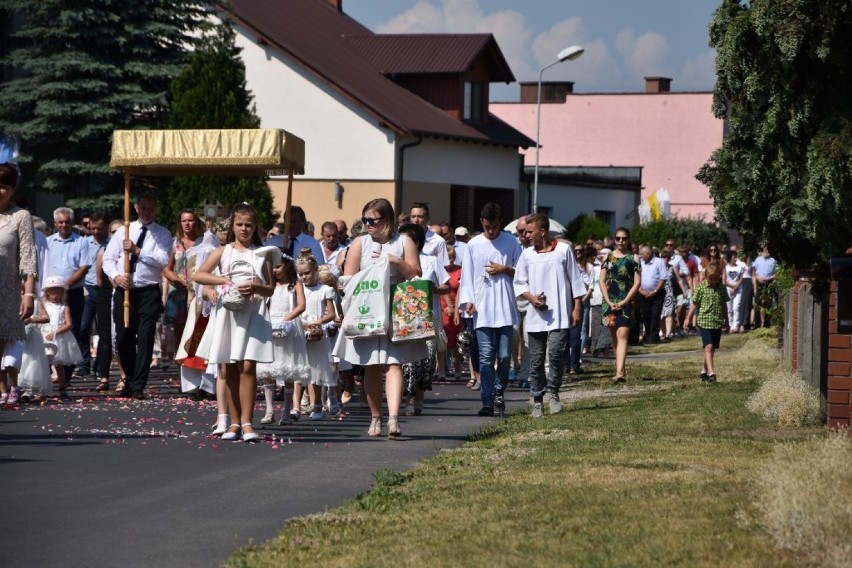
(620,274)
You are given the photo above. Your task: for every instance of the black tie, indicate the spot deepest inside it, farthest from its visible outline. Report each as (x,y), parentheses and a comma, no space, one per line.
(135,259)
(291,242)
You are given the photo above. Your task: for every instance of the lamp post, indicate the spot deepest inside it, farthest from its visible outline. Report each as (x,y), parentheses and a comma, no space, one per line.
(569,53)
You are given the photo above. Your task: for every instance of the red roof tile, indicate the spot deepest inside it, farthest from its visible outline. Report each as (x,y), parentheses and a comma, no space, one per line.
(314,33)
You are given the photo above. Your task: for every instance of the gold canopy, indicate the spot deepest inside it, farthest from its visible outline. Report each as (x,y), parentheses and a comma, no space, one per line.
(235,152)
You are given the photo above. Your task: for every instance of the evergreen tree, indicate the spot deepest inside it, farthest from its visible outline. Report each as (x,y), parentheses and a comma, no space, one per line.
(783,176)
(211,93)
(80,69)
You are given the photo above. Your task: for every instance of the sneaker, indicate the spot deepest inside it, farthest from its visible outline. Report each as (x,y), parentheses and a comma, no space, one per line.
(13,395)
(711,378)
(486,411)
(499,404)
(79,373)
(295,415)
(26,397)
(537,411)
(334,410)
(704,377)
(555,405)
(513,376)
(317,415)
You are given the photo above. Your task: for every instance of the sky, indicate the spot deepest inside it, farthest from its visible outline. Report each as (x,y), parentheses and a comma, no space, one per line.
(624,40)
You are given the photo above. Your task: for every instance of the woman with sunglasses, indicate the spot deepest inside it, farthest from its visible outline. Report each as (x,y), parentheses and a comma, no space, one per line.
(713,256)
(619,283)
(377,354)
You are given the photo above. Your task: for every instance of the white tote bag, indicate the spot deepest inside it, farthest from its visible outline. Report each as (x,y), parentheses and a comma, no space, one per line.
(365,308)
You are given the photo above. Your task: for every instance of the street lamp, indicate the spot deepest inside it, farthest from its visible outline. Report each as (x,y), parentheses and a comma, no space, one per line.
(569,53)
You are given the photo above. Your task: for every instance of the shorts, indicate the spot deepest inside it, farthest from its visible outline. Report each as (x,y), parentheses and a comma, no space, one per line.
(710,337)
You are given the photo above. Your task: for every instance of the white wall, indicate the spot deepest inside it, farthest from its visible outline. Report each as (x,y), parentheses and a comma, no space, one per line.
(569,201)
(462,163)
(341,140)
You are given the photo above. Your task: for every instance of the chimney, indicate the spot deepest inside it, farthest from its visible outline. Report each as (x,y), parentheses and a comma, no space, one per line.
(658,84)
(336,4)
(551,91)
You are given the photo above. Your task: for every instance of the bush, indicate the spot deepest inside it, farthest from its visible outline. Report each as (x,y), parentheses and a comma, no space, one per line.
(584,226)
(805,498)
(788,399)
(695,233)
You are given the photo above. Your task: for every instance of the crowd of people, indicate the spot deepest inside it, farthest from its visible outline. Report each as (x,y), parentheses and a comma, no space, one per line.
(234,305)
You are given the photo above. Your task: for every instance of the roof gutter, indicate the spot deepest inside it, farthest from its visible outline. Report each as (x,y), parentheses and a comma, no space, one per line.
(397,194)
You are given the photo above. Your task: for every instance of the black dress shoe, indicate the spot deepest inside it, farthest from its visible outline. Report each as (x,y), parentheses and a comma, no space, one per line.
(486,411)
(139,396)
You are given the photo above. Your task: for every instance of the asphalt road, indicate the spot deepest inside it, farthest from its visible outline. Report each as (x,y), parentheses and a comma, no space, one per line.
(113,482)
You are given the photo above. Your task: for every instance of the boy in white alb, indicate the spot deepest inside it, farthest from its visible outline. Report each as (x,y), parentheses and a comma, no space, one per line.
(486,291)
(547,276)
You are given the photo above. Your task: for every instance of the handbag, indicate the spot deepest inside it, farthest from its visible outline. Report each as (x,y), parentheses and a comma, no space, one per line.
(231,297)
(412,311)
(367,295)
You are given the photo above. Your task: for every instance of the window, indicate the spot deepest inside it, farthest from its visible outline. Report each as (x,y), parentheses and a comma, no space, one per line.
(606,216)
(473,104)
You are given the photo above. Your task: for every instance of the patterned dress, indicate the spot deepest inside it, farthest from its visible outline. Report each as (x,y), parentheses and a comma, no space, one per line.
(17,258)
(620,274)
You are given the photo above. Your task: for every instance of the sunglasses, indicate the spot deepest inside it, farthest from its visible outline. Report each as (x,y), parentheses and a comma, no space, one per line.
(714,250)
(620,239)
(371,222)
(669,244)
(578,250)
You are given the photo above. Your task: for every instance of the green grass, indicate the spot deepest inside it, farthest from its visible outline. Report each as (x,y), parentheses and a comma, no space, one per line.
(660,474)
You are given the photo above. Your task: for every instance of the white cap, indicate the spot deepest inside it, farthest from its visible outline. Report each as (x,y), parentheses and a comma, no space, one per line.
(461,232)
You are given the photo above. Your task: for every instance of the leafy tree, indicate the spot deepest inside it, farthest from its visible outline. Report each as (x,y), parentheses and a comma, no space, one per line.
(695,233)
(80,69)
(583,226)
(211,93)
(783,176)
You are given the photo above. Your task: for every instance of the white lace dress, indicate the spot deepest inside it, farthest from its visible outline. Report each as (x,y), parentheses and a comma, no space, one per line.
(290,360)
(244,335)
(17,257)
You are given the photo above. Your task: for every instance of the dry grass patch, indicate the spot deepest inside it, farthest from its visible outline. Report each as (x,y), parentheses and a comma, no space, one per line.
(805,498)
(786,398)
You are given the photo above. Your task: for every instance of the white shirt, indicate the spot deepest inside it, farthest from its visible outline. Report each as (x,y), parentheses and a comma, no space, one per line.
(493,296)
(437,274)
(156,249)
(733,272)
(460,248)
(653,272)
(300,242)
(554,273)
(436,246)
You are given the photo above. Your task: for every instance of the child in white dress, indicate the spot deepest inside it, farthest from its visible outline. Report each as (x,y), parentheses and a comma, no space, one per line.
(319,311)
(241,335)
(58,339)
(331,400)
(290,362)
(34,376)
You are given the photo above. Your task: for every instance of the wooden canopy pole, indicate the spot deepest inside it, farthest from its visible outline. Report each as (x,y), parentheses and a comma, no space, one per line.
(287,210)
(126,254)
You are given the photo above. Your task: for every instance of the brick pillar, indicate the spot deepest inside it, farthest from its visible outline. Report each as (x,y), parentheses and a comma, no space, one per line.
(839,396)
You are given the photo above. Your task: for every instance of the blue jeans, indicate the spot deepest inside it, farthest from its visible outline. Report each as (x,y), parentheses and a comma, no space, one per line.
(574,347)
(550,344)
(494,343)
(584,324)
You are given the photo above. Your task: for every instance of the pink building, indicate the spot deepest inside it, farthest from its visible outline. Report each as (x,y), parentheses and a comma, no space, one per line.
(669,135)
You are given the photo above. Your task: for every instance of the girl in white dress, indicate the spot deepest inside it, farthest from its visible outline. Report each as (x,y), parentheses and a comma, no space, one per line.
(377,353)
(331,400)
(57,334)
(34,377)
(290,362)
(239,339)
(319,311)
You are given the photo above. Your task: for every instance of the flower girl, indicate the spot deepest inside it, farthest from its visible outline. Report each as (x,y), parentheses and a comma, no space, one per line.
(290,363)
(62,349)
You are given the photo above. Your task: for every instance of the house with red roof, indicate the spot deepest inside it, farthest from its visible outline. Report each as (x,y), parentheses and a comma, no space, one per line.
(405,117)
